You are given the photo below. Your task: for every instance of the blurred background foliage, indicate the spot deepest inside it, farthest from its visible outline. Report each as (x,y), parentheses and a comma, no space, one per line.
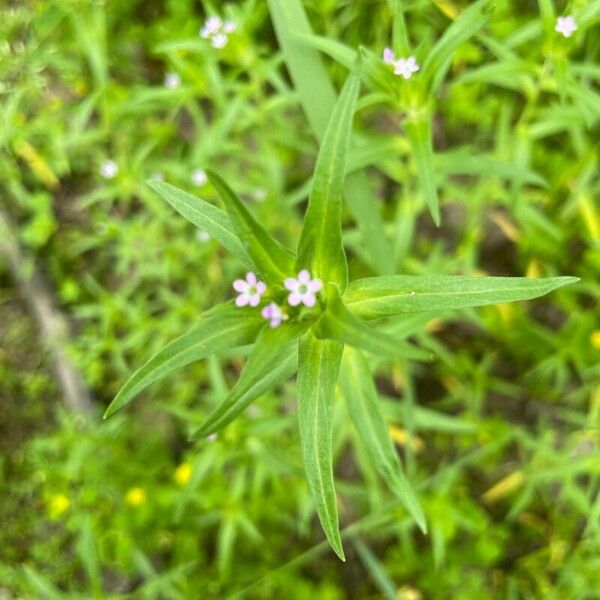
(499,434)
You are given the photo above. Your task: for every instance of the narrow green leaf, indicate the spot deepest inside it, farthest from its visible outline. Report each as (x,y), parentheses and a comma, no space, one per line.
(357,386)
(212,335)
(377,571)
(317,97)
(339,52)
(272,259)
(375,297)
(204,215)
(418,132)
(307,71)
(439,58)
(400,40)
(320,246)
(318,367)
(337,323)
(272,360)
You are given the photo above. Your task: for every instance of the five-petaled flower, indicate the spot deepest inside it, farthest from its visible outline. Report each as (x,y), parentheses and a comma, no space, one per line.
(402,66)
(303,289)
(566,26)
(250,290)
(273,314)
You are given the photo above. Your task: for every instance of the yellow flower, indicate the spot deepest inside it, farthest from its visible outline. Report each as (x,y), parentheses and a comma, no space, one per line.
(59,503)
(183,473)
(595,339)
(135,496)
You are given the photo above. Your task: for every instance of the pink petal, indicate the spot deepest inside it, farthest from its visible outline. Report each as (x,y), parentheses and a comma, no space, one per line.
(254,299)
(239,285)
(267,311)
(251,278)
(242,300)
(261,287)
(275,322)
(291,284)
(294,299)
(304,276)
(309,300)
(315,285)
(388,56)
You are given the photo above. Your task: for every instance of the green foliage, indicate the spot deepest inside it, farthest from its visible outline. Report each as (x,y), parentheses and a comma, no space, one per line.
(491,445)
(320,352)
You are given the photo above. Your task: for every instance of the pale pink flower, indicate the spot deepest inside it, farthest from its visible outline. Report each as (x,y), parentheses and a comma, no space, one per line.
(229,26)
(211,26)
(388,56)
(273,314)
(219,40)
(406,67)
(303,289)
(566,26)
(250,290)
(109,169)
(199,177)
(172,81)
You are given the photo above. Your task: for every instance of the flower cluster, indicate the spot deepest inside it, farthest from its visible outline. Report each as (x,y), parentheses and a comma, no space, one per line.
(303,290)
(402,66)
(217,31)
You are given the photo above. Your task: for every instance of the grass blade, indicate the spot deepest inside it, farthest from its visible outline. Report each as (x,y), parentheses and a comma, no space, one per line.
(439,58)
(418,132)
(318,367)
(204,215)
(357,386)
(375,297)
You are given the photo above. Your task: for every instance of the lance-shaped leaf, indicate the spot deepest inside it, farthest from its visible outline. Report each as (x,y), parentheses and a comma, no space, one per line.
(360,393)
(320,246)
(337,323)
(418,132)
(204,215)
(375,297)
(317,97)
(272,360)
(272,259)
(212,335)
(318,368)
(439,58)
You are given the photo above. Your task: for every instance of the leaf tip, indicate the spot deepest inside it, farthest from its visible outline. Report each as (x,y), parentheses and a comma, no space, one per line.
(339,550)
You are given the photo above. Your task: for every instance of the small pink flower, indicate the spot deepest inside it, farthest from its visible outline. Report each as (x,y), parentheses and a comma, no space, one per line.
(219,40)
(172,81)
(273,314)
(388,56)
(303,289)
(229,26)
(406,67)
(109,169)
(566,26)
(211,26)
(249,290)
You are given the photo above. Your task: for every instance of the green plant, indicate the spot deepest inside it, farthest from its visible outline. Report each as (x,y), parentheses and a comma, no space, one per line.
(317,331)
